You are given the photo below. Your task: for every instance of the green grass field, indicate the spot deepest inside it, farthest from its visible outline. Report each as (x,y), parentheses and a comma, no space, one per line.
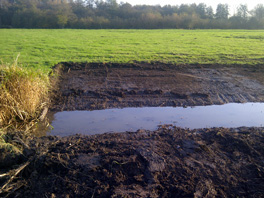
(45,48)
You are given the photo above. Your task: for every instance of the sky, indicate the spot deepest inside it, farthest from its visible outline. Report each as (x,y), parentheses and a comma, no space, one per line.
(232,3)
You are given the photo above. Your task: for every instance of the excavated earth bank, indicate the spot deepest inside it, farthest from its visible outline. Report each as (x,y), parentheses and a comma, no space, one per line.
(168,162)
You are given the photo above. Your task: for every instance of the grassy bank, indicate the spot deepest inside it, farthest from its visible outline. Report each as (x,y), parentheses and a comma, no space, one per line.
(23,94)
(44,48)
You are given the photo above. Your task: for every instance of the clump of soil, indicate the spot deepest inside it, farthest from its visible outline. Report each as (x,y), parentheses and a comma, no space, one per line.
(169,162)
(9,154)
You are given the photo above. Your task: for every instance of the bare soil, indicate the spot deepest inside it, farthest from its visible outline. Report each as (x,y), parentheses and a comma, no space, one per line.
(168,162)
(101,86)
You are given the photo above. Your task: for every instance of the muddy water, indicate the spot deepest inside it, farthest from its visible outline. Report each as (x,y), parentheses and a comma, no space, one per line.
(131,119)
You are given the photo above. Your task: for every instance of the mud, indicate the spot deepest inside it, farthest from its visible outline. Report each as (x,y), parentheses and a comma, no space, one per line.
(101,86)
(168,162)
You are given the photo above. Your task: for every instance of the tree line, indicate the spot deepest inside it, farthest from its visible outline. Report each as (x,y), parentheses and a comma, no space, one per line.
(102,14)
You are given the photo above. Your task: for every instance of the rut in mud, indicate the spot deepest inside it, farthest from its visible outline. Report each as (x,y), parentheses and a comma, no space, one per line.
(101,86)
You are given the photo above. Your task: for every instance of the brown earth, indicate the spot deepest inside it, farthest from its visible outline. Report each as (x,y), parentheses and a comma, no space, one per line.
(100,86)
(168,162)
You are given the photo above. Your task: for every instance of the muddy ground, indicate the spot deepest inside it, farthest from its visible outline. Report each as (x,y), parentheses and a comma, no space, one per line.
(100,86)
(168,162)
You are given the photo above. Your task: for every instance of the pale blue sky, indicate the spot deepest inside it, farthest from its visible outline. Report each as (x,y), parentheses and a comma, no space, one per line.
(233,3)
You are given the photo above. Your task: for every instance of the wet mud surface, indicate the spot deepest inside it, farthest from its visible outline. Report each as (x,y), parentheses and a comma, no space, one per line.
(101,86)
(168,162)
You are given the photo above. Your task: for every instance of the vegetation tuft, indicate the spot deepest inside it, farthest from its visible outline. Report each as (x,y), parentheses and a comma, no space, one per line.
(23,94)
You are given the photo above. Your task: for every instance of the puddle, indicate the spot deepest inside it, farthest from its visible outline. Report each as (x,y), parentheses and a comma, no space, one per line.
(131,119)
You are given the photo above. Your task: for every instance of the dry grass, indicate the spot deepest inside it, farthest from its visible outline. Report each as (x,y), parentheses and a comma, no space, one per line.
(23,95)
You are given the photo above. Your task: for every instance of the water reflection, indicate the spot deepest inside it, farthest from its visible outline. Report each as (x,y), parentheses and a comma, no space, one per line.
(132,119)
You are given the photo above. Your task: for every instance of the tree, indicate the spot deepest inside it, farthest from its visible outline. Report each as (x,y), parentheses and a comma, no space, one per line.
(258,12)
(4,4)
(62,13)
(222,11)
(242,11)
(210,12)
(201,10)
(111,14)
(258,15)
(90,3)
(185,8)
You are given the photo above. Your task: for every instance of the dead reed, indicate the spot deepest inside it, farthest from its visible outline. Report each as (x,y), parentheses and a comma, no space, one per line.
(23,95)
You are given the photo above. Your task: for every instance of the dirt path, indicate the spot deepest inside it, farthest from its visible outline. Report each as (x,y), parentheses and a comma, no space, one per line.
(98,86)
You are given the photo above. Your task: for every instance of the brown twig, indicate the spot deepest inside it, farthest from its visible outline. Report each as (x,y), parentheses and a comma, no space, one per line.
(20,141)
(17,171)
(44,113)
(4,175)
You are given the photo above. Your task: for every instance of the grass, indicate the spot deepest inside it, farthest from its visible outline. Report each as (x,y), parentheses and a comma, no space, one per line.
(23,94)
(45,48)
